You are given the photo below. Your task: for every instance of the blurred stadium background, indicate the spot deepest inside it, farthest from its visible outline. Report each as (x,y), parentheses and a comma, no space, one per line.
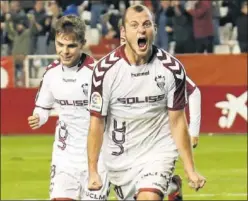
(220,71)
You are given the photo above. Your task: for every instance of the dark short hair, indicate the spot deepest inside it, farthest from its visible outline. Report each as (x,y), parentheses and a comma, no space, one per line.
(71,24)
(138,8)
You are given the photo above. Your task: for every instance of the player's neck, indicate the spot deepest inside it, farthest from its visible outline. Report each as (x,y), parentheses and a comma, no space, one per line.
(134,58)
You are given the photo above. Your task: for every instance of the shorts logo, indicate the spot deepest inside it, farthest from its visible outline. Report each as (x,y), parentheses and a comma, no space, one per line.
(160,82)
(96,102)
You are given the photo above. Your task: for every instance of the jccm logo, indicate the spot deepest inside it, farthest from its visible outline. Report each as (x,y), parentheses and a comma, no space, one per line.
(72,102)
(231,108)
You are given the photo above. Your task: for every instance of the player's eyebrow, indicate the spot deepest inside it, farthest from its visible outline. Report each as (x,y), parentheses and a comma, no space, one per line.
(69,45)
(147,21)
(72,45)
(135,21)
(59,43)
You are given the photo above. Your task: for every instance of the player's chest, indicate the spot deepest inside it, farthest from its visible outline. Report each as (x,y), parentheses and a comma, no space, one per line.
(140,87)
(70,86)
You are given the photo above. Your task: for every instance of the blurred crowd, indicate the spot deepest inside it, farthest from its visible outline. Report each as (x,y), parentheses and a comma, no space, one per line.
(195,26)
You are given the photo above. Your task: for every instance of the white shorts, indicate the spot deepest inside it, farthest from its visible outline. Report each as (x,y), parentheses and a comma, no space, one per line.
(153,176)
(68,183)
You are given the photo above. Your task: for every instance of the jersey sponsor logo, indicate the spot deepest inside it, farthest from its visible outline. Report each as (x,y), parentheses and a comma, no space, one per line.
(140,74)
(137,100)
(160,82)
(96,102)
(85,87)
(69,80)
(72,102)
(231,108)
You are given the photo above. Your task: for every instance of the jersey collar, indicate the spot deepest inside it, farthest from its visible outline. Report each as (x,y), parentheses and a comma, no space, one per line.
(123,55)
(76,67)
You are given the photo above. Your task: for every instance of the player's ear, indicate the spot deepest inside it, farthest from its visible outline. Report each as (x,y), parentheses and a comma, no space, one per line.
(122,31)
(155,28)
(83,42)
(122,35)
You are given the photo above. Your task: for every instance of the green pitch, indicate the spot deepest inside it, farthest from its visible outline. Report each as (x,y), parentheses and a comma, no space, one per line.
(25,163)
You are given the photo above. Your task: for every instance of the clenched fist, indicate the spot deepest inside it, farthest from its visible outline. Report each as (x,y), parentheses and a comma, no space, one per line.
(95,182)
(196,181)
(34,121)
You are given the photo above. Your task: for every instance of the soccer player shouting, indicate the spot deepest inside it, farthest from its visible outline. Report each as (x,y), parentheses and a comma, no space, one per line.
(138,97)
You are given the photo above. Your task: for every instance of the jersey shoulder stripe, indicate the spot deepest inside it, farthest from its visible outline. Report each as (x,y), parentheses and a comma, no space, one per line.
(104,65)
(52,65)
(171,63)
(88,62)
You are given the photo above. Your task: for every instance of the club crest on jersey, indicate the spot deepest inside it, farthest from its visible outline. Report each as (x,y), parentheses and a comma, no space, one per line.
(160,81)
(96,102)
(85,89)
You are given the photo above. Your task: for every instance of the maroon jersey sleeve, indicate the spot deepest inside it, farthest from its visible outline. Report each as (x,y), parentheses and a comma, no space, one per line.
(176,89)
(101,85)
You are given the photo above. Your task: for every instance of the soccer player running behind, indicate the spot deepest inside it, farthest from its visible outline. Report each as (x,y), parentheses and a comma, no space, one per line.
(65,84)
(194,104)
(138,98)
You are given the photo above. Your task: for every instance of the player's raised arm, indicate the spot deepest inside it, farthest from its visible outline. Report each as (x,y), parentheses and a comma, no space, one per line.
(177,100)
(194,95)
(43,105)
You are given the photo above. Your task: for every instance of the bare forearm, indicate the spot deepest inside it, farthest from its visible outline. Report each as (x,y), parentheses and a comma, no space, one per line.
(95,139)
(182,139)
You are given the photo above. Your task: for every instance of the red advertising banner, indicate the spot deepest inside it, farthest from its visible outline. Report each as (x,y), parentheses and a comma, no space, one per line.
(224,110)
(16,105)
(7,72)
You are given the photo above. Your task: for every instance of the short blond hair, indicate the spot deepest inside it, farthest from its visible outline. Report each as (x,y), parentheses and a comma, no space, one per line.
(71,24)
(137,8)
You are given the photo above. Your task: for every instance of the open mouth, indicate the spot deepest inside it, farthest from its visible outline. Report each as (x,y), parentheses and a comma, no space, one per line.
(142,42)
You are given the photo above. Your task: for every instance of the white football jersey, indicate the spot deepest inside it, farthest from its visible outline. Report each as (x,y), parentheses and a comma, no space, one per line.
(135,101)
(67,90)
